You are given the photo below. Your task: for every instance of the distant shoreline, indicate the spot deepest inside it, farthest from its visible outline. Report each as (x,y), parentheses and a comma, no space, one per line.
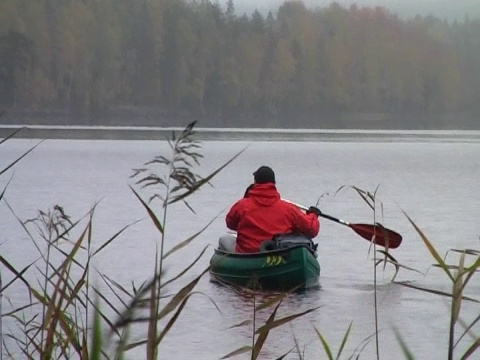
(235,134)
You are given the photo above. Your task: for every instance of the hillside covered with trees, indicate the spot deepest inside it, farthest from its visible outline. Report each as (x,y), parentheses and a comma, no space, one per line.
(158,62)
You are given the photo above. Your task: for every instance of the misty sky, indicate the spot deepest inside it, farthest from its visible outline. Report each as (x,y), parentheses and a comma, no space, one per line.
(450,9)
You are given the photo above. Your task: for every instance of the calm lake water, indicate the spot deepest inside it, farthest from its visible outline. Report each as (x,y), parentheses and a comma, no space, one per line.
(436,184)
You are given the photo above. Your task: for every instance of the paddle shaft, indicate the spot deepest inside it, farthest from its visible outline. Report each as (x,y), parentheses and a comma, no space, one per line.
(329,217)
(376,233)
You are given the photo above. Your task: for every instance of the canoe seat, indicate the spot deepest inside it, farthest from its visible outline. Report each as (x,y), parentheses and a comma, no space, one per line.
(286,241)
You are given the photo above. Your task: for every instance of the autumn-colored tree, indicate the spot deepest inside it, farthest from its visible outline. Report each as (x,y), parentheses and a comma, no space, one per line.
(196,58)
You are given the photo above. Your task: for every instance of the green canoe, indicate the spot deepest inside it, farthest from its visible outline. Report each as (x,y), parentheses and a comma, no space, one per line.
(284,266)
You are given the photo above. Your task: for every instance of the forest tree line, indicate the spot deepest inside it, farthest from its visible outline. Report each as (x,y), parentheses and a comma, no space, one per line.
(100,61)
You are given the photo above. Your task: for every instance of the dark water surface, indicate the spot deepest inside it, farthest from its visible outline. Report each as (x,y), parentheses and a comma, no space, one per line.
(436,184)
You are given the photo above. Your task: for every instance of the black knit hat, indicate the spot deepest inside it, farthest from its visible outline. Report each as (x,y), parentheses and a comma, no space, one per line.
(264,175)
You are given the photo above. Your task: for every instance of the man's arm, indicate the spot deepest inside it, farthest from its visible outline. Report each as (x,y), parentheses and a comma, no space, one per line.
(232,219)
(307,224)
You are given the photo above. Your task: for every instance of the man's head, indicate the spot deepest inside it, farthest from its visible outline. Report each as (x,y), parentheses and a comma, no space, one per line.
(264,175)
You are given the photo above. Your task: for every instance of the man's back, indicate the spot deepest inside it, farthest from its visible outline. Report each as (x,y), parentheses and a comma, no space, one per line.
(262,214)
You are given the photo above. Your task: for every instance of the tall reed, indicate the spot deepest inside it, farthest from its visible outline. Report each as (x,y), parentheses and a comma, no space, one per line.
(460,276)
(2,172)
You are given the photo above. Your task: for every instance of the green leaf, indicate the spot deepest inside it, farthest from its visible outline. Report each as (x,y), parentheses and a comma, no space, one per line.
(96,342)
(187,268)
(273,324)
(430,248)
(406,351)
(152,215)
(12,134)
(20,158)
(204,181)
(263,331)
(178,297)
(117,234)
(436,292)
(239,351)
(189,240)
(325,345)
(473,348)
(243,323)
(344,341)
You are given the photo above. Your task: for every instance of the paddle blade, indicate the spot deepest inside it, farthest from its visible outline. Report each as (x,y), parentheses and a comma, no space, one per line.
(383,236)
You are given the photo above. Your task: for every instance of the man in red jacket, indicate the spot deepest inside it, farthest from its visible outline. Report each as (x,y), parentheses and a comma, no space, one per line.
(261,214)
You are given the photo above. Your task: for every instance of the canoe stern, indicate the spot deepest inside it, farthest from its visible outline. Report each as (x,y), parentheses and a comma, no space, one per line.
(282,270)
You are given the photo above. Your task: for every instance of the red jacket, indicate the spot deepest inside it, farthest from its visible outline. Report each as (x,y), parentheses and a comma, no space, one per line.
(263,214)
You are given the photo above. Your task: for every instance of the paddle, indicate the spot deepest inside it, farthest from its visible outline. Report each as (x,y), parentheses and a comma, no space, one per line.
(383,236)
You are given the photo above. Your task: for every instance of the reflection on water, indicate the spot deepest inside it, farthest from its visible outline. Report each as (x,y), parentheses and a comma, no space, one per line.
(434,183)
